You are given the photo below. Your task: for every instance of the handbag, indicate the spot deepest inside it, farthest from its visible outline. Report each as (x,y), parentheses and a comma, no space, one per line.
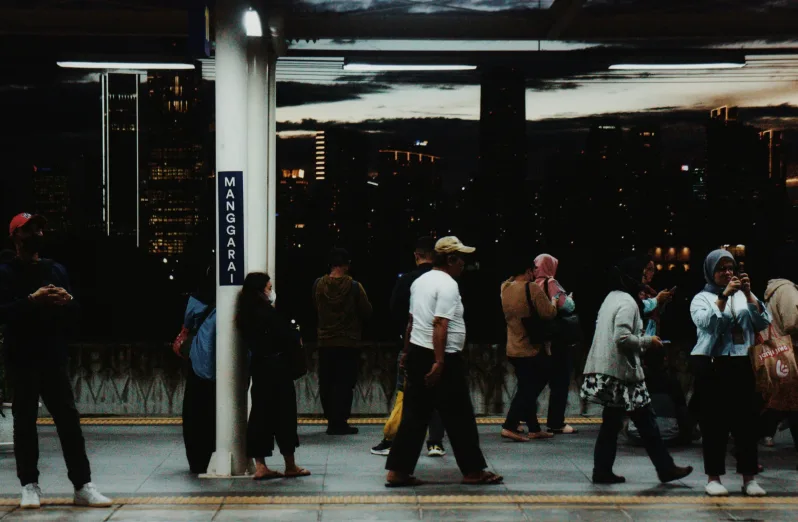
(565,327)
(181,346)
(298,360)
(776,371)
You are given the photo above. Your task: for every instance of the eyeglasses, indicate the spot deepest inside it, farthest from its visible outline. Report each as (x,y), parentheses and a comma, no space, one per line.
(724,269)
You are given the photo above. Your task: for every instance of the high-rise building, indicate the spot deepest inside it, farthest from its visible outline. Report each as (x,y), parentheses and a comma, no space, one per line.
(177,169)
(774,140)
(121,161)
(51,197)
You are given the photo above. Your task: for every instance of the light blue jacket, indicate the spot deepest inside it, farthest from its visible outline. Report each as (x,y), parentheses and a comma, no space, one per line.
(715,327)
(649,305)
(203,347)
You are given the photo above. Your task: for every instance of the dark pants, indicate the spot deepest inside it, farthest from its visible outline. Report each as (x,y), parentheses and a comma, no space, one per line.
(607,442)
(728,404)
(338,368)
(52,384)
(273,414)
(532,374)
(452,399)
(199,420)
(561,366)
(770,423)
(436,431)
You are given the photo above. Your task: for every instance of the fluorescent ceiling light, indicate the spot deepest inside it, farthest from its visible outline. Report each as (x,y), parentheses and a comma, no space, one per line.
(125,65)
(374,67)
(252,23)
(674,66)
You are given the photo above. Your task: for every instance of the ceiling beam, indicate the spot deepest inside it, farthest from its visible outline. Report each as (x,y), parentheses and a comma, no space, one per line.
(564,12)
(88,22)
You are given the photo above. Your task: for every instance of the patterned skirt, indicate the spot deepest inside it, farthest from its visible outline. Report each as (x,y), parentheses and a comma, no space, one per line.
(609,391)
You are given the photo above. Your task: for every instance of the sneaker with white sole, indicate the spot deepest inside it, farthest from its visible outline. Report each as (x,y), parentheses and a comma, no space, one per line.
(90,496)
(436,450)
(752,489)
(716,489)
(31,497)
(382,449)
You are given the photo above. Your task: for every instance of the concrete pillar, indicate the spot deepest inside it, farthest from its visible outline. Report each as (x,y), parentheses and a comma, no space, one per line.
(231,156)
(258,206)
(272,167)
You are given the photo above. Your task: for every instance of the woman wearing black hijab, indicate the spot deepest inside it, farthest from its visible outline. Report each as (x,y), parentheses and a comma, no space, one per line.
(614,375)
(269,338)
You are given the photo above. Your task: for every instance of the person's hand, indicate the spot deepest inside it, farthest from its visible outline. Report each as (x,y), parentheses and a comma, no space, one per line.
(664,297)
(434,375)
(656,342)
(403,360)
(745,284)
(733,287)
(46,295)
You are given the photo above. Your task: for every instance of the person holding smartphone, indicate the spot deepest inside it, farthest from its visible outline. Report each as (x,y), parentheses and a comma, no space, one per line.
(727,316)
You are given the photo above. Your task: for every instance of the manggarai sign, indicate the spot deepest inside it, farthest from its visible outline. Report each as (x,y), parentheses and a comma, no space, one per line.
(231,228)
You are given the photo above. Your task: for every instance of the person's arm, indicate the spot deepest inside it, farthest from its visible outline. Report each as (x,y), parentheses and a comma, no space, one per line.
(760,315)
(14,308)
(707,315)
(399,304)
(544,307)
(624,333)
(440,334)
(406,344)
(649,305)
(364,305)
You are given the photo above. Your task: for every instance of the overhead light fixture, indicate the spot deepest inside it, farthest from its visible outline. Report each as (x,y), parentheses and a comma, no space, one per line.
(376,67)
(674,66)
(125,65)
(252,23)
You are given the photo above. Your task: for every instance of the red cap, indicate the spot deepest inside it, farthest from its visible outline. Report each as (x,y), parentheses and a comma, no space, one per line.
(20,220)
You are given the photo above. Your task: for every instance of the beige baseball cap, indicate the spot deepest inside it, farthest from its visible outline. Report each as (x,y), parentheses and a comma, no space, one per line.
(452,245)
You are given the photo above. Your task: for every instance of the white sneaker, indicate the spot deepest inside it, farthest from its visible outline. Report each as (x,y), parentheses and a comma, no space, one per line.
(716,489)
(436,450)
(31,497)
(89,496)
(752,489)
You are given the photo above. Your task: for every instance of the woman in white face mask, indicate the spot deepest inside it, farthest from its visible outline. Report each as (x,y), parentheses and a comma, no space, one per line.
(269,338)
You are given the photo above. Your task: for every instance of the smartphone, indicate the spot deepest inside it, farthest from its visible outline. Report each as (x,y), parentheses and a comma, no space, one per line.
(666,342)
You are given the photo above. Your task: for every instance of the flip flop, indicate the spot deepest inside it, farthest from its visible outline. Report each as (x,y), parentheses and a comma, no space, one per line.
(487,479)
(300,472)
(409,482)
(269,476)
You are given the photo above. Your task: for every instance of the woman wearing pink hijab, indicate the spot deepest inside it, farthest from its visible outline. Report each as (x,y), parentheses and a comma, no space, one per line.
(561,356)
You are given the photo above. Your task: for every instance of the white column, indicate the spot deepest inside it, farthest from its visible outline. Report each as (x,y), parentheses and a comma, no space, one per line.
(231,155)
(258,206)
(271,99)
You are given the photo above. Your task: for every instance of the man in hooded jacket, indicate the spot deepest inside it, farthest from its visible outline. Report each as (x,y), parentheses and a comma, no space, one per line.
(342,305)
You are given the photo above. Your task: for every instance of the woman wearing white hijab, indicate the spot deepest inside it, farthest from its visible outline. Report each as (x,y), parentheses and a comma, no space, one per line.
(727,317)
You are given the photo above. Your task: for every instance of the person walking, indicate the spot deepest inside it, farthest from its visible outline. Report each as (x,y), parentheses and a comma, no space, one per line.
(342,305)
(614,376)
(523,300)
(39,311)
(436,373)
(269,339)
(560,350)
(727,316)
(400,309)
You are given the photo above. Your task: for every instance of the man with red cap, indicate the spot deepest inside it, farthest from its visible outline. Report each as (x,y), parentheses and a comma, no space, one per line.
(38,311)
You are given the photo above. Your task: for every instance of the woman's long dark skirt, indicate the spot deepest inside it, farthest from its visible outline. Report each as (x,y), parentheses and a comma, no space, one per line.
(274,415)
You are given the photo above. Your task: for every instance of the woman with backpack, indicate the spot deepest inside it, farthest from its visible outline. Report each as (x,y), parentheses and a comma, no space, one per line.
(270,339)
(614,376)
(560,345)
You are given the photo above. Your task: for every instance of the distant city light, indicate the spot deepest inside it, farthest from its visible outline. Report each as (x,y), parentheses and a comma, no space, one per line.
(685,168)
(252,23)
(420,143)
(373,183)
(674,66)
(165,260)
(125,65)
(171,278)
(376,67)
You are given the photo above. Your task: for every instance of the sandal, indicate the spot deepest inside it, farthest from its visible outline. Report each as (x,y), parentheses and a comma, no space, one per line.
(538,435)
(514,436)
(565,430)
(298,472)
(271,475)
(406,483)
(487,478)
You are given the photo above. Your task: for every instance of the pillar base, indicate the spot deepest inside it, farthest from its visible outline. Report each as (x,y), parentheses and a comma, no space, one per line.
(215,471)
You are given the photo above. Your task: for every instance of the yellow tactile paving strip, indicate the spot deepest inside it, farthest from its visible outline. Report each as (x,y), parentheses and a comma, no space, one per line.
(306,421)
(566,501)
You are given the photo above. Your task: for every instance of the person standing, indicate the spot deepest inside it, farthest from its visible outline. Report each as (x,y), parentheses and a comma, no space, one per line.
(614,376)
(342,305)
(436,373)
(400,309)
(269,340)
(522,299)
(38,311)
(727,316)
(561,357)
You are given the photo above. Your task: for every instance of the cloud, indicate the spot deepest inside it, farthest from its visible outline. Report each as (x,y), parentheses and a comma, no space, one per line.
(292,94)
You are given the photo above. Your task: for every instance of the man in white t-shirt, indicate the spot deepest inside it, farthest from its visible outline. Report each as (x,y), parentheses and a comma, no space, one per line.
(436,373)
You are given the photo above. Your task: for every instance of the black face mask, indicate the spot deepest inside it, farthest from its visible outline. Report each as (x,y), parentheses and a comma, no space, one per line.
(33,243)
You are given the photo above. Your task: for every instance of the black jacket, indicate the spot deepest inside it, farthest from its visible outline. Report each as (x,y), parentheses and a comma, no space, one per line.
(400,297)
(266,333)
(35,334)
